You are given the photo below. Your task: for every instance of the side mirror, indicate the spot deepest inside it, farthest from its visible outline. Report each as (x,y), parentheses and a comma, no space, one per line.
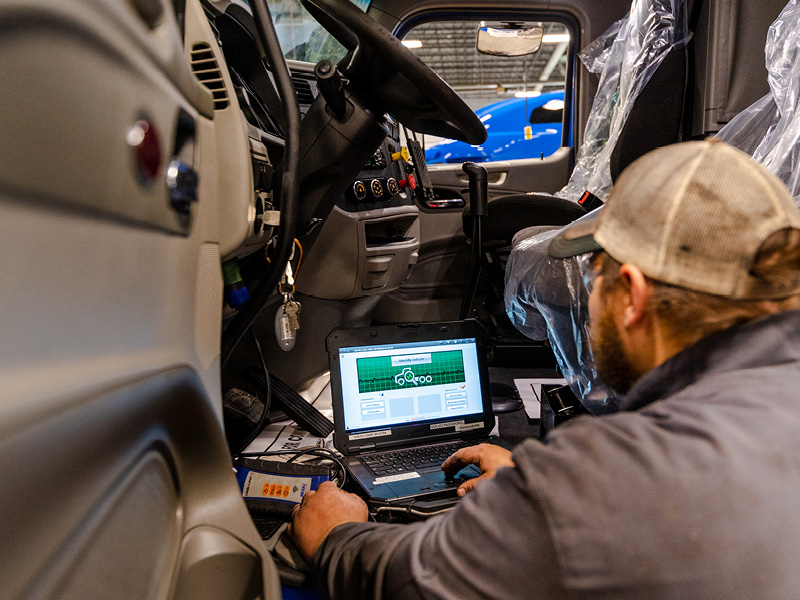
(509,41)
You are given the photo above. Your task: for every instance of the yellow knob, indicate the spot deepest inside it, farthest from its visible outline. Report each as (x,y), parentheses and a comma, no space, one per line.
(402,155)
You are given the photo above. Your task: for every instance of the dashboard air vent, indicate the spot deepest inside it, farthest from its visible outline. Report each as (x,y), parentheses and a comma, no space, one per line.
(206,69)
(305,95)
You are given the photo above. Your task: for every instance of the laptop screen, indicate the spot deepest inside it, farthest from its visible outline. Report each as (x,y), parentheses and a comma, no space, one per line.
(401,383)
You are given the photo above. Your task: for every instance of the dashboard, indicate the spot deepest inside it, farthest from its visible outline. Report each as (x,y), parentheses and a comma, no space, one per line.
(357,186)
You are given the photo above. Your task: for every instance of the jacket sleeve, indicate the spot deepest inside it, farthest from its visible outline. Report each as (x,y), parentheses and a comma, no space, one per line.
(494,544)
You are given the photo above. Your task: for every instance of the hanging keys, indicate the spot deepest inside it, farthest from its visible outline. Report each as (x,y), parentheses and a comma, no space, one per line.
(292,309)
(285,333)
(286,319)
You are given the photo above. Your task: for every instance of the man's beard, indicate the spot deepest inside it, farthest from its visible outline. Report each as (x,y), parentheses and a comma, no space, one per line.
(610,356)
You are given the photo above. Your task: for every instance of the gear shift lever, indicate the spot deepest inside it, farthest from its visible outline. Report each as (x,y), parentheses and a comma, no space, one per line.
(479,208)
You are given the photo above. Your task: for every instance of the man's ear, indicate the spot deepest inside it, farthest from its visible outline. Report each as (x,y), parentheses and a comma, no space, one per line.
(638,293)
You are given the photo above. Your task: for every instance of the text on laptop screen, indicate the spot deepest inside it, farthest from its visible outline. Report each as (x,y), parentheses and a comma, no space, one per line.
(404,383)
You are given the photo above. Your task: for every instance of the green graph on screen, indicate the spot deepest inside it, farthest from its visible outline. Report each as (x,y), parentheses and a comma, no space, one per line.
(384,373)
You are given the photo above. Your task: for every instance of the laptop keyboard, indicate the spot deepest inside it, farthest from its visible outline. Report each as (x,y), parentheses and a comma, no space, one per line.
(412,459)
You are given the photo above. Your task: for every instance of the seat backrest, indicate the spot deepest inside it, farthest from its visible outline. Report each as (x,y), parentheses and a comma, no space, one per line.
(652,36)
(656,116)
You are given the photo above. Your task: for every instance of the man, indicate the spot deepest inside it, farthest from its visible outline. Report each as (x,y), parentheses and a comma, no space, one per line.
(693,489)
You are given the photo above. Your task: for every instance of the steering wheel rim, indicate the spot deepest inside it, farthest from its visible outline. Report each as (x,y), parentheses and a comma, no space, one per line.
(391,78)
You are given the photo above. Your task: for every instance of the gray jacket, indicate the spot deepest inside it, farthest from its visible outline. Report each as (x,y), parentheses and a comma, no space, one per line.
(693,491)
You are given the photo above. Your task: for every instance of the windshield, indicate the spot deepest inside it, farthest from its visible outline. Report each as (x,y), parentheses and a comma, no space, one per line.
(301,37)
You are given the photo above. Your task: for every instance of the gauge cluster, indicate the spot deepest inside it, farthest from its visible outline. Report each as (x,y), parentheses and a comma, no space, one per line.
(386,179)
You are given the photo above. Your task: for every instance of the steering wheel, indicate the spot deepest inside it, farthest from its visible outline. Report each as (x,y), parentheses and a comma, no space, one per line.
(390,78)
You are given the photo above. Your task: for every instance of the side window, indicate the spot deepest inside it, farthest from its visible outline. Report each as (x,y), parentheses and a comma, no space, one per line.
(520,99)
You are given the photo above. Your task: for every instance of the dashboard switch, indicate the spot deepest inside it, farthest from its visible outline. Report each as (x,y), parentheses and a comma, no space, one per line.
(376,187)
(401,155)
(359,190)
(145,141)
(182,184)
(408,182)
(392,186)
(262,175)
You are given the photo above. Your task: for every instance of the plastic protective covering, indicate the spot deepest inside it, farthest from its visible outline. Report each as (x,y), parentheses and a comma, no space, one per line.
(546,298)
(624,57)
(769,130)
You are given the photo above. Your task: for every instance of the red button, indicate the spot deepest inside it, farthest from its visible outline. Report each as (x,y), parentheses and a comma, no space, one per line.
(144,138)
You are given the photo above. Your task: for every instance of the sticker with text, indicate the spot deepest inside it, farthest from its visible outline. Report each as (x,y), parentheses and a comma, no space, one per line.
(470,426)
(398,477)
(371,434)
(448,424)
(275,487)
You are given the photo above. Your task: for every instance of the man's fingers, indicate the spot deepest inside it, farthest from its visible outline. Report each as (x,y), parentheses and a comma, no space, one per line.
(324,486)
(461,458)
(319,512)
(468,485)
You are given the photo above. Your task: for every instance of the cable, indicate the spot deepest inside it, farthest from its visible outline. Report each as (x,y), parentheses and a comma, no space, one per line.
(408,510)
(299,258)
(277,437)
(323,453)
(327,455)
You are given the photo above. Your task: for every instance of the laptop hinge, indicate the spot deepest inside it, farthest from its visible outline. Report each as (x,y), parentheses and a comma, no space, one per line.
(365,448)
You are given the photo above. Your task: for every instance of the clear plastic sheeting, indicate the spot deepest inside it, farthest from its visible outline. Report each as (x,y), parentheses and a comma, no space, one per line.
(625,58)
(546,298)
(769,130)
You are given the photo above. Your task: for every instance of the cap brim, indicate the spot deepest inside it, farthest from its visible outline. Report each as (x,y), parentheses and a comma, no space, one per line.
(576,239)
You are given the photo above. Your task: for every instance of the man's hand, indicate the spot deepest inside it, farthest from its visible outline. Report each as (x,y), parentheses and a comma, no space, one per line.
(487,457)
(321,511)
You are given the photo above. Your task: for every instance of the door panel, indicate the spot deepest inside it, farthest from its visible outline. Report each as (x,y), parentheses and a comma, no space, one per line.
(112,454)
(548,174)
(116,515)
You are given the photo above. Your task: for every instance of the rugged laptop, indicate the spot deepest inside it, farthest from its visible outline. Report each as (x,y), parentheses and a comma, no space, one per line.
(404,398)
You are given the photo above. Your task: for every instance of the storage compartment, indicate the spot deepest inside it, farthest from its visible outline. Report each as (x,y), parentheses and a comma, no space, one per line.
(361,253)
(391,230)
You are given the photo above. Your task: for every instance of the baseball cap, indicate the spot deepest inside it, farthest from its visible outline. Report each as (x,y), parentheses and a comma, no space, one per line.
(692,215)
